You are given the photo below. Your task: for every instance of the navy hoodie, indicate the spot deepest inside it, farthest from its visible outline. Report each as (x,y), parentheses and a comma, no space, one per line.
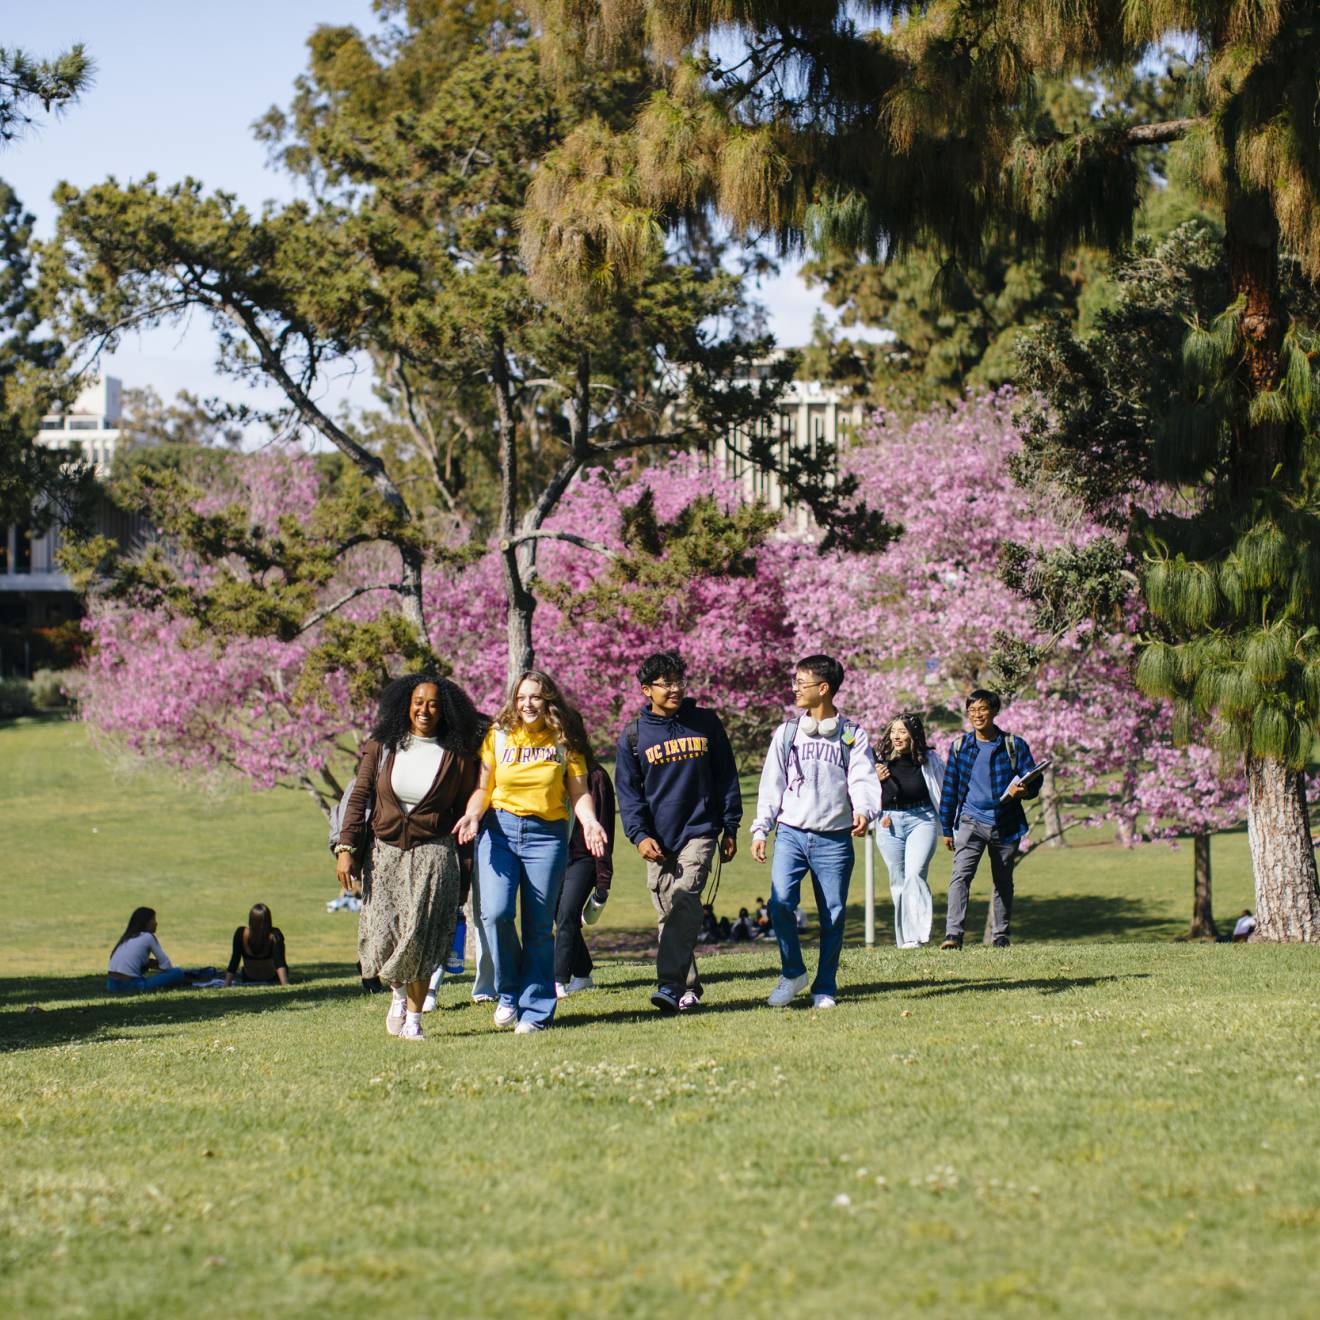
(682,784)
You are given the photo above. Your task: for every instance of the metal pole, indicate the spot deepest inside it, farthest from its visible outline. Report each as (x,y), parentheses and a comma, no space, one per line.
(870,888)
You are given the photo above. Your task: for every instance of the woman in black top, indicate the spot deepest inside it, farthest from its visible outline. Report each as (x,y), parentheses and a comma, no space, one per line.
(908,828)
(585,875)
(259,949)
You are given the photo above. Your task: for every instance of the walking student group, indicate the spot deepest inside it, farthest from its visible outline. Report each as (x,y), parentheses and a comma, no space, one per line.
(518,813)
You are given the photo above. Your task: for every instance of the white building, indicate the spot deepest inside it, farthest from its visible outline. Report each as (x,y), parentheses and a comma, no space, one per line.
(91,426)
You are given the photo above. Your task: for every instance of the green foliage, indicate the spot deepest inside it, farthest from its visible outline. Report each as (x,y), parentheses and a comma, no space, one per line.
(369,654)
(49,690)
(26,81)
(15,698)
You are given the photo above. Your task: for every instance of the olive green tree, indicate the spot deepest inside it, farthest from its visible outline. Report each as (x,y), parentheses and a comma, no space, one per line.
(814,123)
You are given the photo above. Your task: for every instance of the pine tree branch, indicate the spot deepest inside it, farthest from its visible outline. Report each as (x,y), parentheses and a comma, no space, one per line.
(321,615)
(1145,135)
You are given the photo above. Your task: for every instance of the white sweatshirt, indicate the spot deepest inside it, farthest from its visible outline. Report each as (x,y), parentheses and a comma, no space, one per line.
(809,788)
(413,770)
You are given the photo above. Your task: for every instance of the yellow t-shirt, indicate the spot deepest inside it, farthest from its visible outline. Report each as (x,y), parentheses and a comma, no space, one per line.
(529,780)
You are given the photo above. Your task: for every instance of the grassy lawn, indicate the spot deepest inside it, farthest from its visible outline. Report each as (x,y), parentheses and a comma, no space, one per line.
(1096,1121)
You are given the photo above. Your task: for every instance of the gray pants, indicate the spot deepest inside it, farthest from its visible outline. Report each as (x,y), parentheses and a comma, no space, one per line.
(676,882)
(970,839)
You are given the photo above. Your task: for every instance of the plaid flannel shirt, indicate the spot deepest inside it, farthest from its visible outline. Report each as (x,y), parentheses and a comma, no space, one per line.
(1010,819)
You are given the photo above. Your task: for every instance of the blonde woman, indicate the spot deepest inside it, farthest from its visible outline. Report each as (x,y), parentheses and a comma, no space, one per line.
(533,775)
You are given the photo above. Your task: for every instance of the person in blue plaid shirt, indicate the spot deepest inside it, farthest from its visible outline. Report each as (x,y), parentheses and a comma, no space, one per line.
(976,817)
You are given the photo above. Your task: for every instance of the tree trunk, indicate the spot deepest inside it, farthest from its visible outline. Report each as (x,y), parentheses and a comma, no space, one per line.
(1282,858)
(520,602)
(1124,832)
(1203,917)
(1049,802)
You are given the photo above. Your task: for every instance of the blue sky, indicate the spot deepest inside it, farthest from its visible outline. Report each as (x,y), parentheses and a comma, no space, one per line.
(177,89)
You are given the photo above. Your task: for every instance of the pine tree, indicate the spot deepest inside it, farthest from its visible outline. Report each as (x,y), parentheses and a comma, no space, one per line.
(927,135)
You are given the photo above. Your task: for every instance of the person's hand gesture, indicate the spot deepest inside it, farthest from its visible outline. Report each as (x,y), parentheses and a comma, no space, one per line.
(882,770)
(1016,789)
(596,840)
(860,824)
(729,847)
(467,827)
(346,871)
(948,842)
(650,850)
(758,849)
(886,822)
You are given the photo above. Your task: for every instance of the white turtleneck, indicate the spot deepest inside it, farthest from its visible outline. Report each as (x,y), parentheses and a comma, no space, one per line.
(413,769)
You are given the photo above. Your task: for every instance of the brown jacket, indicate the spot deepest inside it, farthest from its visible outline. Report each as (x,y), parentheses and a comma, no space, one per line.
(432,818)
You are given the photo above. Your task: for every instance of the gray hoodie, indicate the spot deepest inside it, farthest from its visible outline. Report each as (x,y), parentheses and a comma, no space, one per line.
(807,786)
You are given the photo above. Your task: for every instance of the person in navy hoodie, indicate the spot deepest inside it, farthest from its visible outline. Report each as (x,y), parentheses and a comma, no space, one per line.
(680,804)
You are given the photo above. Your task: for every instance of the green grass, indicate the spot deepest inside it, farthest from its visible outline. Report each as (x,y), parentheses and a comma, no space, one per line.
(1096,1121)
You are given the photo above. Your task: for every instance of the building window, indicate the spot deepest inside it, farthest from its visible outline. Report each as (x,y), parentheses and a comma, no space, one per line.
(84,424)
(52,424)
(23,549)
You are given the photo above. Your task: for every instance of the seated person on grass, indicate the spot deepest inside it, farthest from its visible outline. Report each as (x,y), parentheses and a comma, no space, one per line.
(259,951)
(137,953)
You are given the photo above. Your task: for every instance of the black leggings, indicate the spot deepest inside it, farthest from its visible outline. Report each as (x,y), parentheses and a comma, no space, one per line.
(571,955)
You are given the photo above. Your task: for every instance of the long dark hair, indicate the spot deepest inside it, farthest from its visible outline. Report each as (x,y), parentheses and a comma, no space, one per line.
(137,923)
(575,735)
(462,726)
(916,731)
(555,710)
(260,924)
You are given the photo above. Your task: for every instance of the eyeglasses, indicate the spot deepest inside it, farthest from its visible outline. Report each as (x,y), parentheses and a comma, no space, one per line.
(668,687)
(815,682)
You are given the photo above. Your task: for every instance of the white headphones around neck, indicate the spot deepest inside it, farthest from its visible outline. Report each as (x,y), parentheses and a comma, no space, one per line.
(819,728)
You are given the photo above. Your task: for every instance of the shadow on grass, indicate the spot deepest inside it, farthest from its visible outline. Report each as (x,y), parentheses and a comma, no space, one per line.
(106,1017)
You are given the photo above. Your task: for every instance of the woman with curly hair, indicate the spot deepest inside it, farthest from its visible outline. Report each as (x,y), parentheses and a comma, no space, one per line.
(908,828)
(533,773)
(416,773)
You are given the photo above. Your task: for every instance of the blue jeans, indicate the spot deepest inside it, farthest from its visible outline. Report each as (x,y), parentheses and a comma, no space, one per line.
(483,977)
(907,845)
(829,857)
(527,855)
(176,976)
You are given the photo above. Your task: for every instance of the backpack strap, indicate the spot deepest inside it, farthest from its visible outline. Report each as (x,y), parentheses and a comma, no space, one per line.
(1010,746)
(787,739)
(631,732)
(847,737)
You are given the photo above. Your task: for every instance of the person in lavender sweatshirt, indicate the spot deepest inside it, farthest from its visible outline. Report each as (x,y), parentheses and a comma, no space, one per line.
(820,790)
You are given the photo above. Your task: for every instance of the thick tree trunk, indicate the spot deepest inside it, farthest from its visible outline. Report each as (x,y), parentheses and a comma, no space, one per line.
(1282,858)
(1203,917)
(520,602)
(1049,803)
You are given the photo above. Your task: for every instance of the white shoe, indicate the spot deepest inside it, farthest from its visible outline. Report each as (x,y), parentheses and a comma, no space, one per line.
(411,1031)
(483,999)
(506,1015)
(824,1001)
(527,1028)
(395,1018)
(787,989)
(580,983)
(689,1001)
(910,944)
(428,1004)
(560,990)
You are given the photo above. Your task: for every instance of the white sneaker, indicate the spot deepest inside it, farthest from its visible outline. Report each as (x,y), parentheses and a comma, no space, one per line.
(411,1031)
(580,983)
(788,987)
(394,1019)
(428,1004)
(527,1028)
(560,990)
(824,1001)
(506,1015)
(689,1001)
(483,999)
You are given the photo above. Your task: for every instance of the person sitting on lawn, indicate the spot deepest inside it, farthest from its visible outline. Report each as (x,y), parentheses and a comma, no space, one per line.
(819,792)
(135,955)
(259,951)
(678,793)
(980,809)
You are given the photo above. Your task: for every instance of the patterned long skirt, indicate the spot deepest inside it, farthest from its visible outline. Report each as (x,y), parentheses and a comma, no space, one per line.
(409,910)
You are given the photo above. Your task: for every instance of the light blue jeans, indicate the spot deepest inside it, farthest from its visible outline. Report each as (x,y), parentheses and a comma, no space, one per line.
(829,857)
(483,980)
(522,855)
(907,845)
(175,977)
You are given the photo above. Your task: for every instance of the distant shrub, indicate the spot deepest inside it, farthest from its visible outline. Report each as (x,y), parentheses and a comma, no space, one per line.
(15,698)
(48,689)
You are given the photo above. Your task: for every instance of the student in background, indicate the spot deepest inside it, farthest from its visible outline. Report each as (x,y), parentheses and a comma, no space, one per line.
(133,957)
(257,956)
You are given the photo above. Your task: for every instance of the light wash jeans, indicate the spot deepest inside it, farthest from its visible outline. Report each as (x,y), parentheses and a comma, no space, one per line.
(483,980)
(527,856)
(907,845)
(829,857)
